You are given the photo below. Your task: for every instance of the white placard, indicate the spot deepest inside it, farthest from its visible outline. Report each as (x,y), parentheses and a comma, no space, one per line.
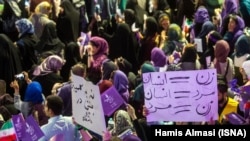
(87,105)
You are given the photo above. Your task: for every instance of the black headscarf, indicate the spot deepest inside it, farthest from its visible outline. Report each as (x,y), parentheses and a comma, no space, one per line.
(68,23)
(10,64)
(49,40)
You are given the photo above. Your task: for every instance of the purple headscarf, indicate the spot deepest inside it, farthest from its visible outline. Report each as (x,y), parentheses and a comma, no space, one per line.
(238,31)
(230,7)
(120,81)
(201,15)
(240,25)
(158,57)
(100,43)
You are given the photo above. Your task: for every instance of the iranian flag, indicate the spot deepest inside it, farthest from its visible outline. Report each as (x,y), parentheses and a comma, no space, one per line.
(7,132)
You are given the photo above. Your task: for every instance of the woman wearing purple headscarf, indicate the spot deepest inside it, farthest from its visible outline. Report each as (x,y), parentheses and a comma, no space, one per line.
(229,7)
(158,59)
(200,17)
(97,52)
(235,29)
(120,82)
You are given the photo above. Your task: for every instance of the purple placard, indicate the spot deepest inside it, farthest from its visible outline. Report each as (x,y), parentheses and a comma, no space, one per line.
(33,132)
(181,96)
(85,37)
(111,101)
(19,125)
(235,119)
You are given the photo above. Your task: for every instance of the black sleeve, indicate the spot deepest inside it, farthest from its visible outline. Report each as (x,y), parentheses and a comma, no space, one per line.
(139,130)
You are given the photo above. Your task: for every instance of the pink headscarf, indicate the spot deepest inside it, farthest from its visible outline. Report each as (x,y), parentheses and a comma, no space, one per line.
(221,53)
(100,43)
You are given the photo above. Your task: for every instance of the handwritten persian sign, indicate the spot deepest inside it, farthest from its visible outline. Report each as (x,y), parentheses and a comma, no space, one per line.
(187,96)
(87,106)
(111,101)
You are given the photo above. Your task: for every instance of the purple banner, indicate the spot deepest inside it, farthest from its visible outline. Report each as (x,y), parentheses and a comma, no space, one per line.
(19,125)
(85,38)
(111,101)
(33,132)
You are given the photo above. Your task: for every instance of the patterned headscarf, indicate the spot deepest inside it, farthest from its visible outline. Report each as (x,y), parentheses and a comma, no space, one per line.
(122,122)
(51,64)
(24,26)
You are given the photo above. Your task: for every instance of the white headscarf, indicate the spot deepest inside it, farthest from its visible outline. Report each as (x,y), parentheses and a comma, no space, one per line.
(246,67)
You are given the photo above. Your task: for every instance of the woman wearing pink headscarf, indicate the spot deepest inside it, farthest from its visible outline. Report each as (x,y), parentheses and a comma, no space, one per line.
(223,64)
(97,52)
(48,73)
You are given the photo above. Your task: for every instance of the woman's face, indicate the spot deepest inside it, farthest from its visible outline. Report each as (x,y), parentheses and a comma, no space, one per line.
(231,25)
(165,24)
(94,49)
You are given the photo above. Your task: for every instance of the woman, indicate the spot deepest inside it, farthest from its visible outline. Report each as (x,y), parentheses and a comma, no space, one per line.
(242,53)
(175,40)
(98,50)
(201,16)
(123,43)
(122,122)
(47,73)
(235,29)
(137,100)
(205,29)
(208,56)
(107,68)
(26,43)
(68,23)
(120,82)
(72,57)
(222,63)
(10,63)
(149,40)
(33,101)
(158,59)
(189,58)
(40,17)
(49,41)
